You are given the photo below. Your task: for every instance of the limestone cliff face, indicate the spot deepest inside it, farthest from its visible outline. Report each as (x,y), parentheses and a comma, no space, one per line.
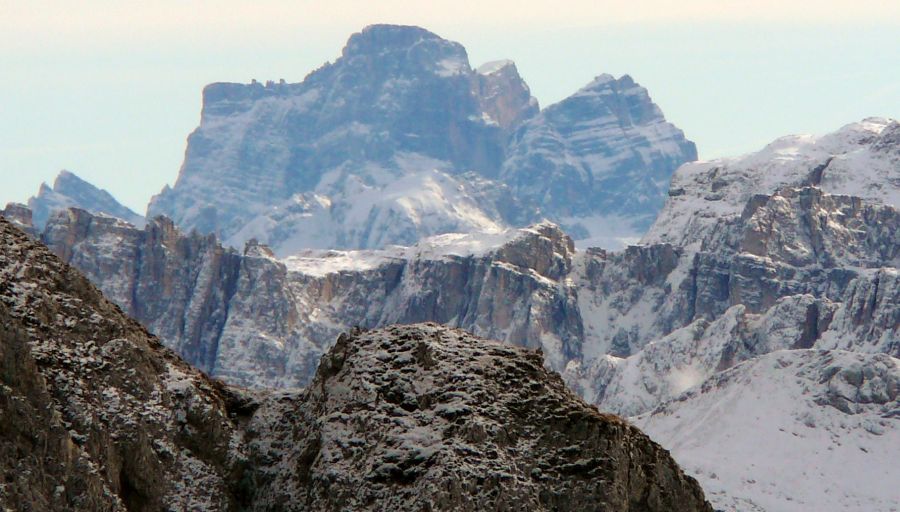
(190,279)
(399,102)
(859,160)
(97,415)
(258,321)
(21,217)
(794,242)
(504,96)
(868,318)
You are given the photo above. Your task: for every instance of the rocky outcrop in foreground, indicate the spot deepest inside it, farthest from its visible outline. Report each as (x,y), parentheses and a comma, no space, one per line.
(97,415)
(423,417)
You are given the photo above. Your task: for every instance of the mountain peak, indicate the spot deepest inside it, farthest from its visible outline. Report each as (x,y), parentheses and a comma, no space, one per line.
(68,180)
(495,66)
(406,49)
(606,81)
(66,174)
(69,190)
(402,101)
(380,38)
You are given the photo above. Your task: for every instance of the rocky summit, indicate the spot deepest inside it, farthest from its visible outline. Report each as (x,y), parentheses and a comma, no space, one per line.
(584,159)
(70,191)
(97,415)
(400,139)
(424,417)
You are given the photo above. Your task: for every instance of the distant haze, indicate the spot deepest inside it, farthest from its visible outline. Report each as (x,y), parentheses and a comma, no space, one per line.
(111,89)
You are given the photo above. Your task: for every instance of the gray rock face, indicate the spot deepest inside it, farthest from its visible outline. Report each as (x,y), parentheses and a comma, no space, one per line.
(70,191)
(255,320)
(97,415)
(258,321)
(868,319)
(192,277)
(775,279)
(400,139)
(858,160)
(807,227)
(399,101)
(21,217)
(588,155)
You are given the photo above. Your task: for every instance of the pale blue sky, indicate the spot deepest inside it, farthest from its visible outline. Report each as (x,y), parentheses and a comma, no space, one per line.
(111,89)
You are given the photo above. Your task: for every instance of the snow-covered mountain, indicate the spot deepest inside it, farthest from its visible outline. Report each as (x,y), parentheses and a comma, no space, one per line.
(71,191)
(400,139)
(782,392)
(859,160)
(794,269)
(598,162)
(791,431)
(97,415)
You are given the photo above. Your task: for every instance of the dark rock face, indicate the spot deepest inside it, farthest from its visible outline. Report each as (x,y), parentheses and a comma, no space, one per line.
(356,145)
(70,191)
(428,418)
(97,415)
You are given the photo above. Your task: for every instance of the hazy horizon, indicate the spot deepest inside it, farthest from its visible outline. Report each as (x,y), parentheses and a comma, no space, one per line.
(112,92)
